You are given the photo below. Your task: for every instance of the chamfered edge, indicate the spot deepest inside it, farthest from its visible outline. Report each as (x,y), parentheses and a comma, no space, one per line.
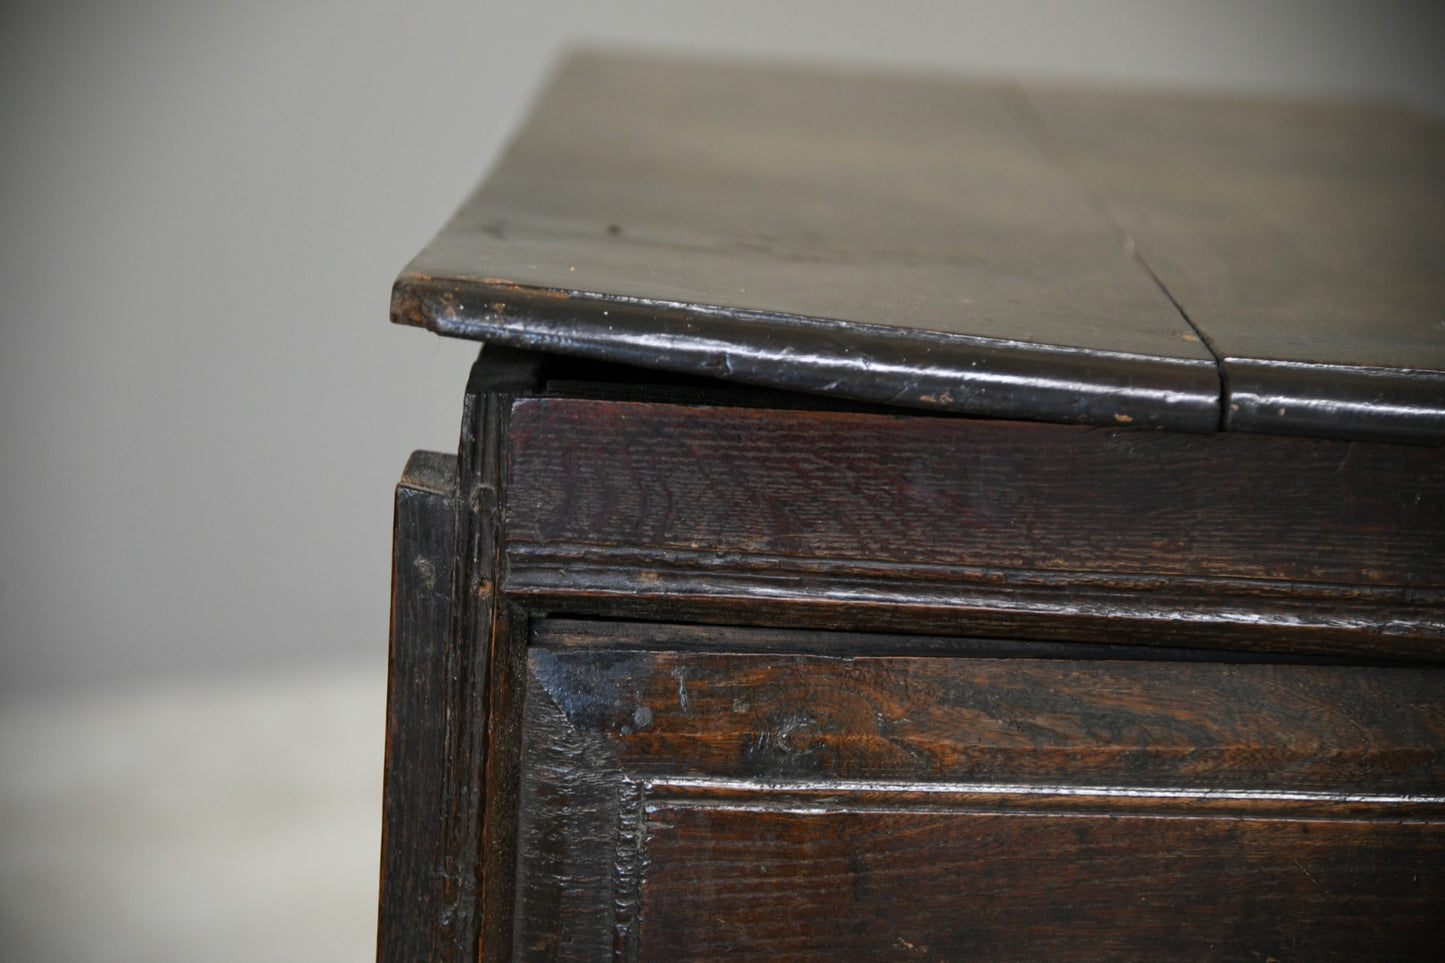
(872,363)
(1355,402)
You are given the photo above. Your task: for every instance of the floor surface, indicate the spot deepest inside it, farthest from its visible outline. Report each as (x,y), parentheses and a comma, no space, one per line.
(209,821)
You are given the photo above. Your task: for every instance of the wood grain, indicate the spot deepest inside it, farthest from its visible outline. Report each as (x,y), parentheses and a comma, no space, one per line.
(413,849)
(1002,527)
(902,240)
(955,491)
(749,884)
(1142,693)
(1188,262)
(1047,722)
(1303,241)
(492,640)
(452,727)
(694,805)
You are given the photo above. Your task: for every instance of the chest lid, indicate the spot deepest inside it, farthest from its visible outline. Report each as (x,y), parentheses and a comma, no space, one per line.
(1086,257)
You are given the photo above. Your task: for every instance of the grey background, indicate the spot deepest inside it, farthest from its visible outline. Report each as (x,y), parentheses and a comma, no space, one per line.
(203,409)
(202,405)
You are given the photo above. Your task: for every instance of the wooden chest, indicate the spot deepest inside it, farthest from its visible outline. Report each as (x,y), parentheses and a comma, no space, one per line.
(897,518)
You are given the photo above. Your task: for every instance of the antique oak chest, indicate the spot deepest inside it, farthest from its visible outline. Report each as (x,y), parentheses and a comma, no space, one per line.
(903,518)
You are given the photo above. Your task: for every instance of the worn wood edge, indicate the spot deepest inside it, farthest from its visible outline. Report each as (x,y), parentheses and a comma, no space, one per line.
(564,632)
(461,669)
(1164,802)
(1062,728)
(528,555)
(1071,607)
(502,798)
(454,924)
(495,631)
(1403,406)
(412,844)
(726,479)
(869,363)
(928,619)
(622,706)
(573,789)
(431,472)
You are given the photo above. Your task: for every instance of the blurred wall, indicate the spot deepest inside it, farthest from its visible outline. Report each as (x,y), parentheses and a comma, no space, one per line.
(202,405)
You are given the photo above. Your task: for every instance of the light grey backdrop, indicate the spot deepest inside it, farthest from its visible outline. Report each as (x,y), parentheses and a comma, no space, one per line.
(202,406)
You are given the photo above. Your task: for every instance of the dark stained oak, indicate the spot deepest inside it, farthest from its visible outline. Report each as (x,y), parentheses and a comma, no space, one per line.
(902,518)
(988,886)
(413,850)
(981,527)
(693,805)
(584,790)
(992,248)
(955,491)
(904,241)
(1012,721)
(449,789)
(1305,242)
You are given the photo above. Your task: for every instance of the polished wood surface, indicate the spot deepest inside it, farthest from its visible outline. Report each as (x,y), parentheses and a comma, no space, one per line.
(1047,722)
(913,242)
(967,885)
(999,249)
(733,631)
(995,689)
(1304,242)
(685,805)
(936,524)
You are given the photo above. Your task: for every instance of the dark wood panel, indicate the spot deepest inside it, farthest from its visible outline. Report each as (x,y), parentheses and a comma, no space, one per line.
(745,883)
(1180,536)
(964,492)
(694,805)
(1201,726)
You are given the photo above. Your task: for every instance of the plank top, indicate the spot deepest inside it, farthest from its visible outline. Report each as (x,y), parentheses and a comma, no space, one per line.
(1306,243)
(972,247)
